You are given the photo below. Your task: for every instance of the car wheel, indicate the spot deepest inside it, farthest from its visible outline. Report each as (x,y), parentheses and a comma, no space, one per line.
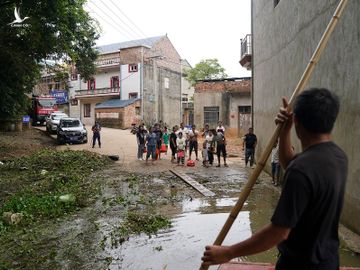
(85,141)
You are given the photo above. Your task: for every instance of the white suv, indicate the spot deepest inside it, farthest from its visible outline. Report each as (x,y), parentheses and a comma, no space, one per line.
(53,120)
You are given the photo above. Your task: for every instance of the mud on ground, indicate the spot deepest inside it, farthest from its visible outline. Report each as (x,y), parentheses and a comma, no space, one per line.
(15,144)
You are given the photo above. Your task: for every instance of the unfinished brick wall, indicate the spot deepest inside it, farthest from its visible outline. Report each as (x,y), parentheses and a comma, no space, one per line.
(130,116)
(131,55)
(222,86)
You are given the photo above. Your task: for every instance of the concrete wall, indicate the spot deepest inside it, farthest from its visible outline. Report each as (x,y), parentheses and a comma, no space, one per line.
(228,104)
(284,39)
(161,95)
(235,127)
(80,109)
(102,78)
(131,81)
(208,99)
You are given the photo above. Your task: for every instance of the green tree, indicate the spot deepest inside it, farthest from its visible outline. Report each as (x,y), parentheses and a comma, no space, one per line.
(205,69)
(60,30)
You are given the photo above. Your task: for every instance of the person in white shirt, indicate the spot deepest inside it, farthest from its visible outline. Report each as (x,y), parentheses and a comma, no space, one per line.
(183,130)
(181,146)
(275,164)
(220,127)
(193,141)
(210,146)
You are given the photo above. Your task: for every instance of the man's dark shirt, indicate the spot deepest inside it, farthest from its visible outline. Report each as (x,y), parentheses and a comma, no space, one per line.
(141,136)
(310,204)
(159,134)
(173,138)
(250,140)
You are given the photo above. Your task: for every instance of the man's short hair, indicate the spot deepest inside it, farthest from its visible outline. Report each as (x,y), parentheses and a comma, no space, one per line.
(316,109)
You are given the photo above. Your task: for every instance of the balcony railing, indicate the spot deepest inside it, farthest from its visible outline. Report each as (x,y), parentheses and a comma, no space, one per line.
(246,45)
(99,91)
(246,52)
(107,62)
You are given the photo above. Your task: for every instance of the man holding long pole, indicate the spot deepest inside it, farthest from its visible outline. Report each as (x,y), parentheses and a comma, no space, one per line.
(305,222)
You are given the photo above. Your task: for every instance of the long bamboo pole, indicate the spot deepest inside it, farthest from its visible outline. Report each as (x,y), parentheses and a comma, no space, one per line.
(265,155)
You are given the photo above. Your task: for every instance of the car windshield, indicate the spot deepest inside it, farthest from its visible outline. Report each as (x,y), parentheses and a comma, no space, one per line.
(70,123)
(58,116)
(47,103)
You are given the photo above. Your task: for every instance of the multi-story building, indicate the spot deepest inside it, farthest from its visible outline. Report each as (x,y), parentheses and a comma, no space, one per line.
(285,34)
(147,69)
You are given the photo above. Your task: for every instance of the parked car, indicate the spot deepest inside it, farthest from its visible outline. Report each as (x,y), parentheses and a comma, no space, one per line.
(71,130)
(52,121)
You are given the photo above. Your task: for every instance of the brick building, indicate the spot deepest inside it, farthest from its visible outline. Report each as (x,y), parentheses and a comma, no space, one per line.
(117,113)
(227,100)
(147,69)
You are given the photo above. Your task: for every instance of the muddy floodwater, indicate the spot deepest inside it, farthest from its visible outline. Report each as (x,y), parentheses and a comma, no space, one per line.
(197,221)
(90,239)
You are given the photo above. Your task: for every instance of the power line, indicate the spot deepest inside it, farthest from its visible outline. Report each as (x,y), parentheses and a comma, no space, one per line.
(128,19)
(114,24)
(115,27)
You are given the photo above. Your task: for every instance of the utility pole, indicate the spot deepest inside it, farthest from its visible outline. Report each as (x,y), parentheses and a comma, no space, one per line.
(181,107)
(142,83)
(156,98)
(142,96)
(120,78)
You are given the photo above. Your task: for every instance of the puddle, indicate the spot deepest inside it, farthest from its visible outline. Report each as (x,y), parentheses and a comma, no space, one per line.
(181,246)
(199,223)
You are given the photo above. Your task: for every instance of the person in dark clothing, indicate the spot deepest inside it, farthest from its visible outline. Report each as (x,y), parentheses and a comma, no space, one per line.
(250,141)
(96,134)
(151,145)
(220,141)
(173,146)
(140,138)
(159,138)
(306,219)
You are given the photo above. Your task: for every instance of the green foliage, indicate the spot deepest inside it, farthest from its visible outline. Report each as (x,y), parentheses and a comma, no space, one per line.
(137,223)
(58,29)
(38,206)
(205,69)
(41,178)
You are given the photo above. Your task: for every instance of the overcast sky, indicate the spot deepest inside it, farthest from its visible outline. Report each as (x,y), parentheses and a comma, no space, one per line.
(199,29)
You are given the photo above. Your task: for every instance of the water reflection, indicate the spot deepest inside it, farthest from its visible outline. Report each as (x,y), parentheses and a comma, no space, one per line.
(181,247)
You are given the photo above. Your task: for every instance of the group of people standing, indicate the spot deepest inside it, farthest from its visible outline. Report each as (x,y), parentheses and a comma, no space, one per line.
(183,142)
(183,139)
(150,141)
